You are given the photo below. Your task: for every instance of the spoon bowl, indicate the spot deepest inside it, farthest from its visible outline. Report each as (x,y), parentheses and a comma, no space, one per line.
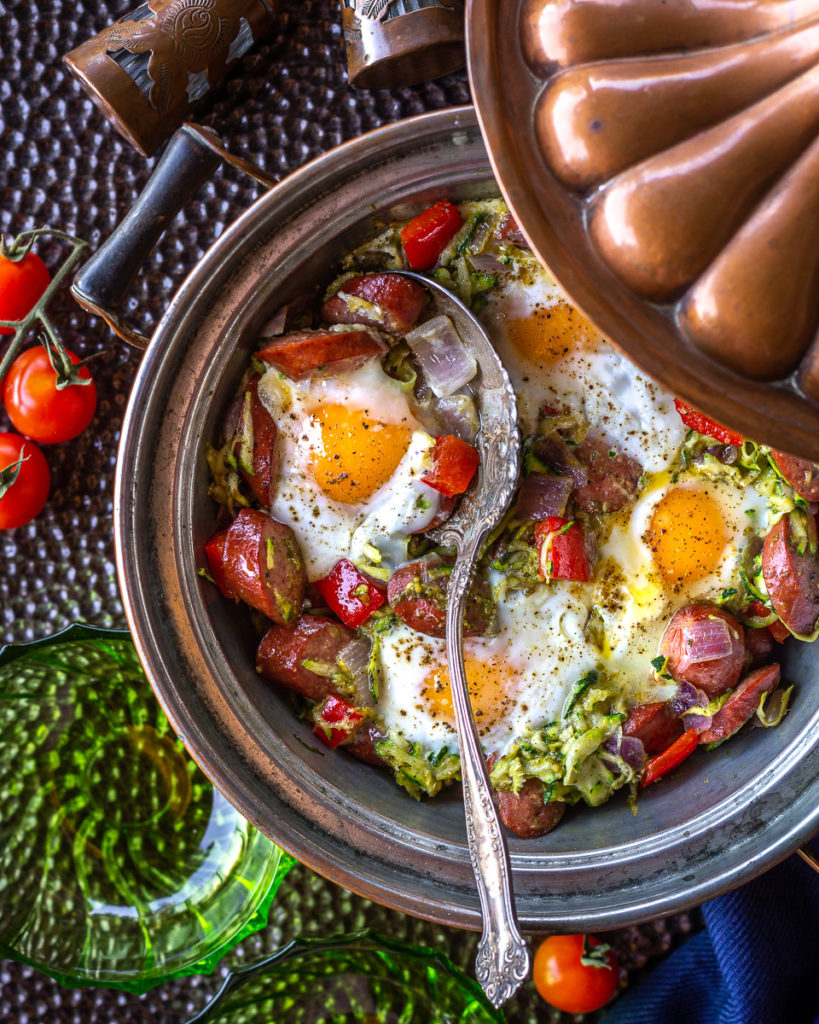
(502,962)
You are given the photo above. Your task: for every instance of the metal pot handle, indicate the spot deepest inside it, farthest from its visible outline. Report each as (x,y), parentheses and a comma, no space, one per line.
(190,158)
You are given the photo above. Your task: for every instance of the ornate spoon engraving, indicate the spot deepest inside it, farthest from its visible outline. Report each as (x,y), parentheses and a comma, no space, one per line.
(502,962)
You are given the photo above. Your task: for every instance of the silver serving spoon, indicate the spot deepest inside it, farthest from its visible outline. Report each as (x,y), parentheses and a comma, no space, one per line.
(502,962)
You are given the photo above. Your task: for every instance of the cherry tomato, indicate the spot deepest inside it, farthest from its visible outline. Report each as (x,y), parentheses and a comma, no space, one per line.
(22,500)
(563,978)
(21,284)
(37,408)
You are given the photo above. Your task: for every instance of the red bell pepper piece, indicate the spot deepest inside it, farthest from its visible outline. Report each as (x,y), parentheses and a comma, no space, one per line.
(454,463)
(703,425)
(349,593)
(671,758)
(561,549)
(335,719)
(426,236)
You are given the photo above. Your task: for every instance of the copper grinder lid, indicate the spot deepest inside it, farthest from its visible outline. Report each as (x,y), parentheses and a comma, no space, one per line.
(663,161)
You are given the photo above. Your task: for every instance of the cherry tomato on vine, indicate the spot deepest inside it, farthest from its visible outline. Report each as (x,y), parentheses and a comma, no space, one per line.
(23,487)
(575,973)
(35,405)
(21,284)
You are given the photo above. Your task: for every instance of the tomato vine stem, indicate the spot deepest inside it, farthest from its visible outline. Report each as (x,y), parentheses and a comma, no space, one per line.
(17,249)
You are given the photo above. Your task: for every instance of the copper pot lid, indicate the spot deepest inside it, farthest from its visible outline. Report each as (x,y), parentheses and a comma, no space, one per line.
(663,161)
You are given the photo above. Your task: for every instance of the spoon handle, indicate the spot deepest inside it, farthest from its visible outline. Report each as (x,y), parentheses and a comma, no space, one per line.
(502,963)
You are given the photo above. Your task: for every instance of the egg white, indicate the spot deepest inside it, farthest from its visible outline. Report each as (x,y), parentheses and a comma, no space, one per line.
(618,401)
(543,637)
(328,530)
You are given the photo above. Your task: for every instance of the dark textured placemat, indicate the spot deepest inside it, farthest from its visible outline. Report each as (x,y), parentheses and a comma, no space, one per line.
(60,164)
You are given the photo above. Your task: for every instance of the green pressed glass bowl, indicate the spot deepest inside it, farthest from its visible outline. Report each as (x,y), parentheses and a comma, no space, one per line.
(361,978)
(120,864)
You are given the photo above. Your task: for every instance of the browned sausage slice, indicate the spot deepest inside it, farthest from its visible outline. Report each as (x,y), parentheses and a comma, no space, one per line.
(758,646)
(792,579)
(283,651)
(255,435)
(802,475)
(398,302)
(417,594)
(361,744)
(303,352)
(653,724)
(742,704)
(262,565)
(526,813)
(613,477)
(683,644)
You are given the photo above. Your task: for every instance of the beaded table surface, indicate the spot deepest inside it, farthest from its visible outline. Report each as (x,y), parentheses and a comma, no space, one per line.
(60,164)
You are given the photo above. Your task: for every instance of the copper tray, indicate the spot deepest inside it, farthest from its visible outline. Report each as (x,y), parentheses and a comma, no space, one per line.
(663,160)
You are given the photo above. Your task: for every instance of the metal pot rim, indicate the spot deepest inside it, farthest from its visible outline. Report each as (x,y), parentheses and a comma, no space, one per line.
(409,858)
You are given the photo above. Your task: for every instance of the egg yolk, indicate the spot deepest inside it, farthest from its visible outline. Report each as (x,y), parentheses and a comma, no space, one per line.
(355,453)
(548,334)
(488,683)
(686,535)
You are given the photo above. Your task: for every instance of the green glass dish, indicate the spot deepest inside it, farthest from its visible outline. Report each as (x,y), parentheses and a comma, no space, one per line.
(362,978)
(120,864)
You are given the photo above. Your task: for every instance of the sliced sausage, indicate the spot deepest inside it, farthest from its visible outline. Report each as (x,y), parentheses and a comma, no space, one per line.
(654,724)
(215,552)
(255,436)
(302,352)
(399,301)
(681,642)
(262,565)
(742,704)
(613,478)
(417,594)
(283,651)
(759,644)
(361,744)
(802,475)
(526,813)
(792,579)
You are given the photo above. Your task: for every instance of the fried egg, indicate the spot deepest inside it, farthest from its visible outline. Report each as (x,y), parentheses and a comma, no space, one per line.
(556,358)
(351,455)
(680,541)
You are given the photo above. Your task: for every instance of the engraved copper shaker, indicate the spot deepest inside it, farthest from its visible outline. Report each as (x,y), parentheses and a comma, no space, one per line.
(402,42)
(146,70)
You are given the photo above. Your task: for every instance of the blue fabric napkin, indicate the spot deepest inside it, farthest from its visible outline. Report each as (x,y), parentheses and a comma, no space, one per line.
(756,961)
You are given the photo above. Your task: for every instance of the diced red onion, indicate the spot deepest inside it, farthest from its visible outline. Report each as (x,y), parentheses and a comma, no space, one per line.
(629,748)
(687,696)
(542,495)
(486,263)
(708,639)
(355,656)
(695,721)
(457,414)
(298,312)
(555,453)
(442,357)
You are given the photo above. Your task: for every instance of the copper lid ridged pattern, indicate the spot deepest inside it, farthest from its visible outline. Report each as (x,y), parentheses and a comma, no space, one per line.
(663,159)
